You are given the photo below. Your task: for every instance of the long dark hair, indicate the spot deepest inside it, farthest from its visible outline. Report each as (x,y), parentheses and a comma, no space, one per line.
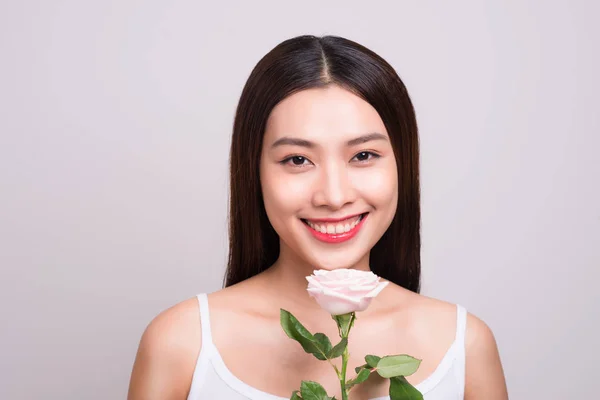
(306,62)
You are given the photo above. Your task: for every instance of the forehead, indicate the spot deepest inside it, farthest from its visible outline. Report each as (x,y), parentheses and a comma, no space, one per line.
(320,113)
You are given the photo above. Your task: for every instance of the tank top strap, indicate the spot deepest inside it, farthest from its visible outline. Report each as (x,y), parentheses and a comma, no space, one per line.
(205,320)
(461,329)
(461,324)
(203,361)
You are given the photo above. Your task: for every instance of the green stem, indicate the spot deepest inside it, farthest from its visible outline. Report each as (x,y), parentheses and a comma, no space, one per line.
(344,323)
(343,377)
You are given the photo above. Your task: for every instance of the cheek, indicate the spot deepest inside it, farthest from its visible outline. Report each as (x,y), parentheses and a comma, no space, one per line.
(283,195)
(378,185)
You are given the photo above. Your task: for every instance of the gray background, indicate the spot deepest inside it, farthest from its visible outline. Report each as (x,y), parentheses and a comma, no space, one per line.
(115,124)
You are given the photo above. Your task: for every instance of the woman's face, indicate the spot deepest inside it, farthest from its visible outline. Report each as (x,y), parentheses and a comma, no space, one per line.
(329,178)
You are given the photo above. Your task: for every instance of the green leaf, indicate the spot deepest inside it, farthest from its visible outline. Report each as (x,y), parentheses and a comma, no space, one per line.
(295,395)
(323,342)
(400,389)
(313,391)
(357,369)
(399,365)
(372,360)
(360,378)
(295,330)
(338,349)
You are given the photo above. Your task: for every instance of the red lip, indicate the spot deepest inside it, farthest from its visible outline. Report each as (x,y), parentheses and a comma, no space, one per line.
(337,237)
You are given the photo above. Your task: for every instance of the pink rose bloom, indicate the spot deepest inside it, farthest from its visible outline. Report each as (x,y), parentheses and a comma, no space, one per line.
(342,291)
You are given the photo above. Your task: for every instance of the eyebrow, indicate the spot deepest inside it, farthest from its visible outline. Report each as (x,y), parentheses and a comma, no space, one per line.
(291,141)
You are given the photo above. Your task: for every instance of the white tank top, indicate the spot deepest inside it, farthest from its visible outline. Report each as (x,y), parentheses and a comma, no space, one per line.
(213,380)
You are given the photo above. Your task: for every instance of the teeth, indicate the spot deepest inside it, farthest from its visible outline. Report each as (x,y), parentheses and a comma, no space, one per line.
(335,228)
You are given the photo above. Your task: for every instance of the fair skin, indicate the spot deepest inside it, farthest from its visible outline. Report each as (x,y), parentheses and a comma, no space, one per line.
(326,154)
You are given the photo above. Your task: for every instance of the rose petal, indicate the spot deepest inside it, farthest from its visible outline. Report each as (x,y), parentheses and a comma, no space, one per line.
(378,289)
(344,290)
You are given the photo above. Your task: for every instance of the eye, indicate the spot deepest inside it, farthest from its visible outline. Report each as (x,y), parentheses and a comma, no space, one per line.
(365,156)
(295,161)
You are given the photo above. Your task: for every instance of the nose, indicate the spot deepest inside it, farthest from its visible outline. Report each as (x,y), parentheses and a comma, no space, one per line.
(334,188)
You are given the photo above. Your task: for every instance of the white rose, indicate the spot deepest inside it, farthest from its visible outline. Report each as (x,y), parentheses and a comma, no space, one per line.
(342,291)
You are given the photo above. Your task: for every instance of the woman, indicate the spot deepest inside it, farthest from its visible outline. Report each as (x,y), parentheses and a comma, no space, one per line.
(324,175)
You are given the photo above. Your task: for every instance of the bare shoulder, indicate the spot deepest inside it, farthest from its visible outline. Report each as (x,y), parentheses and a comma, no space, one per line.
(484,372)
(479,337)
(167,354)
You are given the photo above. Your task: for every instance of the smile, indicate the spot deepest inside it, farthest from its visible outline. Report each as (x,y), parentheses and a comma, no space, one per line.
(335,231)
